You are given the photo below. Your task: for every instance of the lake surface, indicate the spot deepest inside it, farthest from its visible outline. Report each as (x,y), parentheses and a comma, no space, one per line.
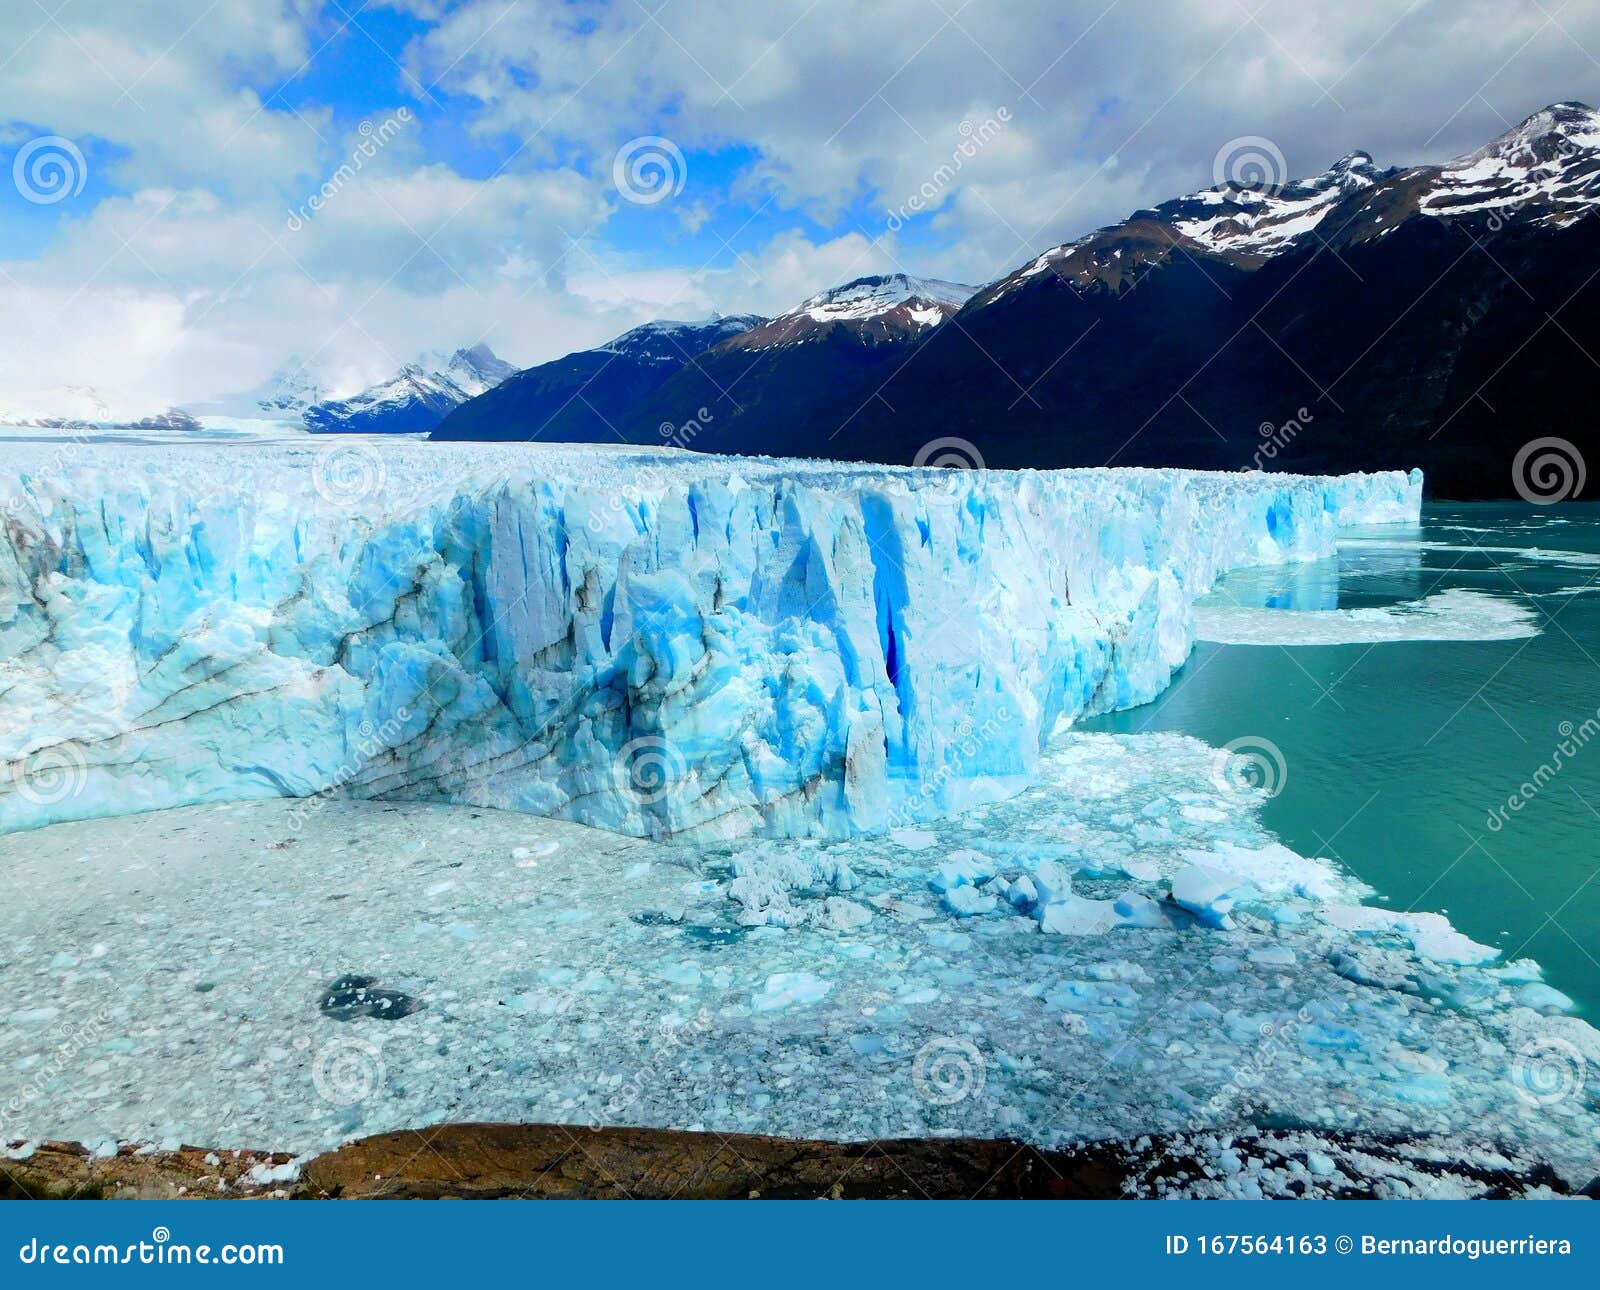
(1400,758)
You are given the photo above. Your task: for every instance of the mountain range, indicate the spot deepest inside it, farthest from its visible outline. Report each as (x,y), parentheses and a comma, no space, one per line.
(412,401)
(1438,316)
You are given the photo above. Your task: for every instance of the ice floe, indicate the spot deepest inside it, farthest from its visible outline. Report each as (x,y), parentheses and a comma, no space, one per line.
(1455,615)
(1138,956)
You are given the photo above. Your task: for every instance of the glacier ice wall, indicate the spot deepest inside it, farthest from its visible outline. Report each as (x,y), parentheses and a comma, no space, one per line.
(654,643)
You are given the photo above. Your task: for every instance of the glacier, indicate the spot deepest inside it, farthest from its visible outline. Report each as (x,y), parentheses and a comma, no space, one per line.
(652,642)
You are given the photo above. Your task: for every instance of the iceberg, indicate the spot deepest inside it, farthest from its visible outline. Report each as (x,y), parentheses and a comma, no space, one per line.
(651,642)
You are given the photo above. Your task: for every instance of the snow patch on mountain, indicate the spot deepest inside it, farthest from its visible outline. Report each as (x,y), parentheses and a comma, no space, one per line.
(668,341)
(929,299)
(1547,170)
(887,308)
(1262,222)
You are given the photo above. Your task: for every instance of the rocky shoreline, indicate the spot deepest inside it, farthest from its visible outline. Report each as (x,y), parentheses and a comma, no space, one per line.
(550,1161)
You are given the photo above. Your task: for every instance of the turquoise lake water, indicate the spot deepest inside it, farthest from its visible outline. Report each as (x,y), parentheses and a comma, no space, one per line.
(1397,755)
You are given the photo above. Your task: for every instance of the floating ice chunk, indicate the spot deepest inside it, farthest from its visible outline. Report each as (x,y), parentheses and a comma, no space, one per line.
(264,1175)
(914,839)
(784,989)
(966,901)
(963,868)
(1430,935)
(1022,892)
(1544,999)
(681,973)
(1209,894)
(1272,956)
(1077,916)
(1275,869)
(1052,881)
(1135,909)
(1118,970)
(841,915)
(1084,996)
(1458,615)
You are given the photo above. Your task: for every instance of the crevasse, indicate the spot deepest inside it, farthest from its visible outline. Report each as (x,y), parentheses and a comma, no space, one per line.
(654,643)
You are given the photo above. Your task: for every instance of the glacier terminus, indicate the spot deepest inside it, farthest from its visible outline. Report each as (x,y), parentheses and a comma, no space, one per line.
(650,642)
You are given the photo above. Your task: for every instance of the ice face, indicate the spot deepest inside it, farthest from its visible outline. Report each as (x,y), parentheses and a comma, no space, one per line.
(650,642)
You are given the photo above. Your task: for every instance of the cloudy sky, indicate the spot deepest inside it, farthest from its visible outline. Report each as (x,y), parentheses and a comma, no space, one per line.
(194,190)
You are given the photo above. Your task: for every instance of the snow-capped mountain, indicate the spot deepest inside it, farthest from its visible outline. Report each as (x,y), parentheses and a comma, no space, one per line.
(1242,225)
(288,392)
(882,309)
(82,407)
(585,396)
(1438,315)
(670,343)
(773,387)
(415,399)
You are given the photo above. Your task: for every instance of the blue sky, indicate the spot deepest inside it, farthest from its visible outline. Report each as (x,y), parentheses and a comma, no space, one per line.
(354,181)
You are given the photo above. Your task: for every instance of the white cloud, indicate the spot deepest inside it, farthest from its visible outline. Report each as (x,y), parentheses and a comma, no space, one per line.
(187,282)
